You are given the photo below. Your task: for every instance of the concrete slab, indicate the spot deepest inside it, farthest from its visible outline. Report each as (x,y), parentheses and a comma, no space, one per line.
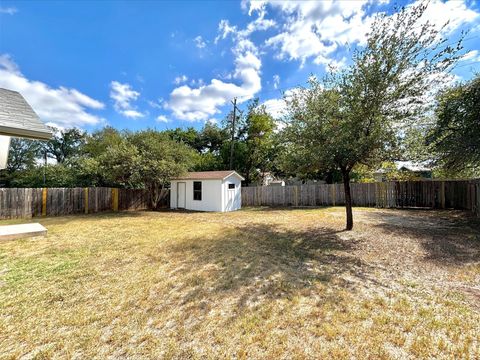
(13,232)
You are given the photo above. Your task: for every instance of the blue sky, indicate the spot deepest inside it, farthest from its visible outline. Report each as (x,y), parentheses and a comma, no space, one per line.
(136,64)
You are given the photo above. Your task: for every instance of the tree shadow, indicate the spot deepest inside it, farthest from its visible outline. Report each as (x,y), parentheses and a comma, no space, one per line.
(274,208)
(448,237)
(65,219)
(262,261)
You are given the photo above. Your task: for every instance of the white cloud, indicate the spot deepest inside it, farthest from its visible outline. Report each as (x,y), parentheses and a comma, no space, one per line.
(8,10)
(259,24)
(162,118)
(180,79)
(315,29)
(276,81)
(452,14)
(331,64)
(123,95)
(132,114)
(62,107)
(199,42)
(278,107)
(156,104)
(204,101)
(198,82)
(473,55)
(224,28)
(275,107)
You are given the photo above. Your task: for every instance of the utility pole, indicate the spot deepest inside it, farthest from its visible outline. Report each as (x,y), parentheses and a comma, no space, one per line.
(45,168)
(232,144)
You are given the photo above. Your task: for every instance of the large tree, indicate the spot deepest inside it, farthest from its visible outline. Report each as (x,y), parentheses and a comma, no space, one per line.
(65,144)
(357,116)
(23,154)
(159,159)
(456,134)
(258,130)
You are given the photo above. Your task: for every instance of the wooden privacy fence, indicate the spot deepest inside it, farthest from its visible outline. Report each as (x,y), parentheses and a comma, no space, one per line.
(25,203)
(454,194)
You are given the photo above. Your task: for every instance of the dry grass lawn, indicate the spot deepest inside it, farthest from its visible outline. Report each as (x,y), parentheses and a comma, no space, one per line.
(258,283)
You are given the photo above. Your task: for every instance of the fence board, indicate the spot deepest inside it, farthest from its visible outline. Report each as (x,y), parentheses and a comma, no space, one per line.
(454,194)
(17,203)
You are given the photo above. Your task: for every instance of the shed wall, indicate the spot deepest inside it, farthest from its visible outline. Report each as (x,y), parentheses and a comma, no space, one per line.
(212,195)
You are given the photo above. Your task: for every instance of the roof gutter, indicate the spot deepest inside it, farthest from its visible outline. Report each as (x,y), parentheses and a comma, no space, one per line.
(25,133)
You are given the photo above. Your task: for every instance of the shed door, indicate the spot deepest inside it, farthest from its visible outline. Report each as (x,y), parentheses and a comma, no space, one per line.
(230,197)
(181,195)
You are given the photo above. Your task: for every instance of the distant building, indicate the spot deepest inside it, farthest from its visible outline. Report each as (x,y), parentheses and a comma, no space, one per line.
(268,179)
(277,183)
(407,169)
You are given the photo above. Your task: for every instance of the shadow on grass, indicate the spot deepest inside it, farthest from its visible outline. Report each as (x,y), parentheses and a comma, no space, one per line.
(258,261)
(287,208)
(64,219)
(448,237)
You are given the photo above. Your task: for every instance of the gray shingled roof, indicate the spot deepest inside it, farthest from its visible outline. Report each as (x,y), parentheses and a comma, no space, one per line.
(18,119)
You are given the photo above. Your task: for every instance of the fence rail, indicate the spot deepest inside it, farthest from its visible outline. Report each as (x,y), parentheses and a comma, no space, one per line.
(454,194)
(25,203)
(18,203)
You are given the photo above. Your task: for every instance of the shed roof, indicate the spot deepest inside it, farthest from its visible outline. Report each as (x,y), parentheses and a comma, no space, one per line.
(208,175)
(18,119)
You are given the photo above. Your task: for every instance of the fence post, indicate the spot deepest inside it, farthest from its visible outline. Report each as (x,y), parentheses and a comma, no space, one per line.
(478,199)
(44,202)
(115,199)
(442,194)
(28,203)
(334,188)
(85,190)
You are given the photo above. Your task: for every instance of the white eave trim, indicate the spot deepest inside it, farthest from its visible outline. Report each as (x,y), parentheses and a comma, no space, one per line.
(234,173)
(25,133)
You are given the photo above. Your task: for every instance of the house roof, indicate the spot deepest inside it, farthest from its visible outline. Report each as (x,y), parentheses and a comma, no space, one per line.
(413,166)
(208,175)
(408,165)
(18,119)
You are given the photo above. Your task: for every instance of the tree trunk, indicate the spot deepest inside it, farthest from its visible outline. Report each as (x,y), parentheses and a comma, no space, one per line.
(348,199)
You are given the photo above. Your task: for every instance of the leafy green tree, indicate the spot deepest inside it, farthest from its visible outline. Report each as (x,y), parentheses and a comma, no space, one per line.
(355,116)
(212,138)
(158,160)
(456,134)
(259,126)
(65,144)
(208,161)
(189,136)
(99,141)
(56,175)
(118,164)
(23,154)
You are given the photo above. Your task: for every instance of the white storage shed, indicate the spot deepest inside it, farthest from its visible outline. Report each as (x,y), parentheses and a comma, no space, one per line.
(207,191)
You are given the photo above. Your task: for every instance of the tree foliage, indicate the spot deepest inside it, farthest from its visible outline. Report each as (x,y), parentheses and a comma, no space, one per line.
(64,144)
(456,134)
(259,150)
(355,116)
